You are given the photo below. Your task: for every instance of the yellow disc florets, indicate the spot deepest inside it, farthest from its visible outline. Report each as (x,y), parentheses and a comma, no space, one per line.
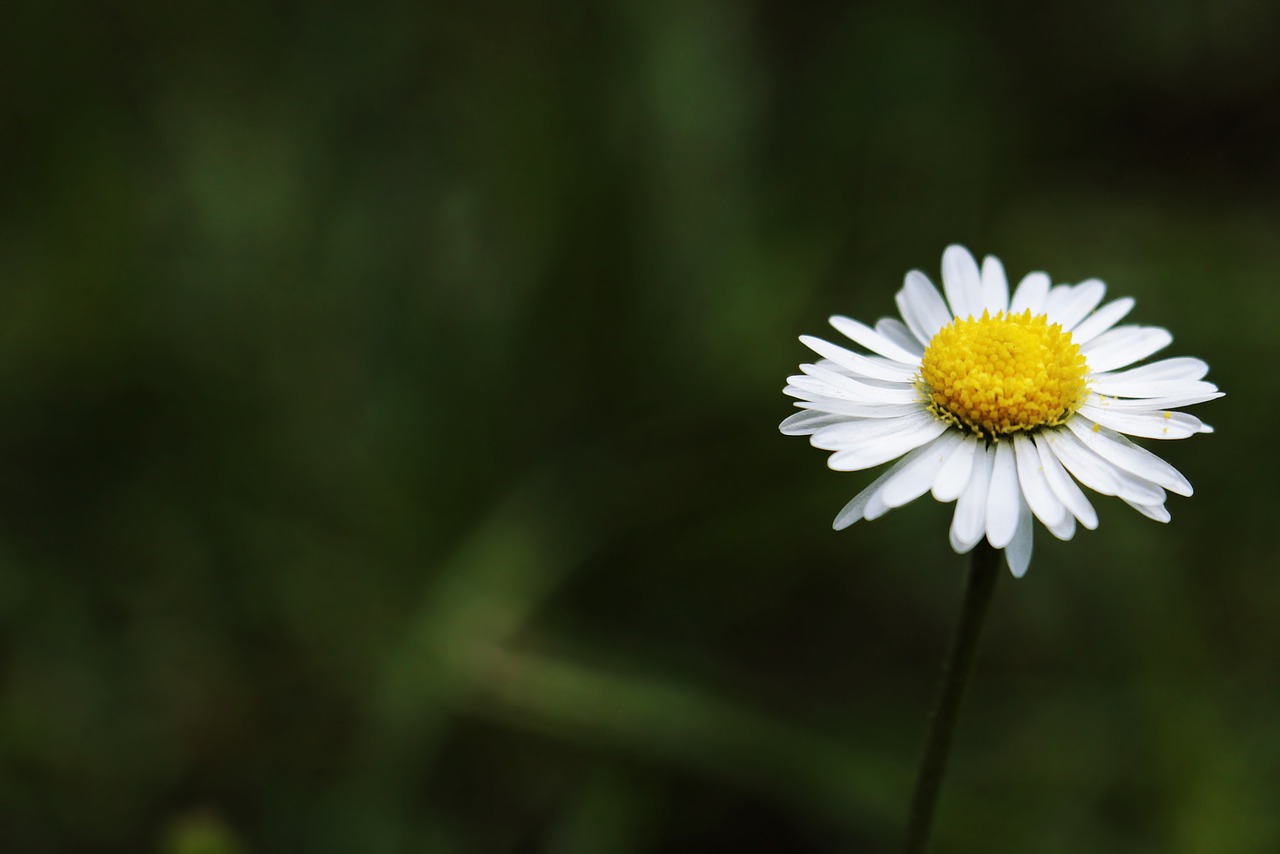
(1004,374)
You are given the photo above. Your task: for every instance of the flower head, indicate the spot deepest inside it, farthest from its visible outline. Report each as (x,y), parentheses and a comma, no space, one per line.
(1001,404)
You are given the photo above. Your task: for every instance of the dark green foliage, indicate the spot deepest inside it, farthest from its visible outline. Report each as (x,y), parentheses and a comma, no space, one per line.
(389,463)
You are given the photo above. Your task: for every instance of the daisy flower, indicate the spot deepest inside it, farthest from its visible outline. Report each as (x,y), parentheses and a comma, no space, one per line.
(1001,404)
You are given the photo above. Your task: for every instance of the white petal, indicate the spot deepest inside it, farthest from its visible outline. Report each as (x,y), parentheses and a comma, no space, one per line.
(1149,404)
(1166,370)
(1018,554)
(1153,390)
(1066,529)
(954,474)
(995,286)
(871,502)
(896,331)
(1102,320)
(886,448)
(1097,473)
(806,422)
(962,282)
(873,341)
(1082,299)
(1084,466)
(1119,451)
(1164,424)
(873,367)
(1003,497)
(817,403)
(828,383)
(830,371)
(922,306)
(876,501)
(1031,293)
(1158,512)
(854,510)
(813,389)
(968,523)
(851,433)
(1124,346)
(1059,295)
(915,478)
(875,504)
(1035,486)
(1064,487)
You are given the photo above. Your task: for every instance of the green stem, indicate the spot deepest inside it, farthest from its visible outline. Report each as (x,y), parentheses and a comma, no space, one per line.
(984,568)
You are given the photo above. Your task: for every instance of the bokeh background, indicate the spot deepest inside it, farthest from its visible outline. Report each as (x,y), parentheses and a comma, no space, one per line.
(389,455)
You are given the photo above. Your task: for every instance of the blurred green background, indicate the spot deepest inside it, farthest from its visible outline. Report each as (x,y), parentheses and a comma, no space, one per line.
(389,455)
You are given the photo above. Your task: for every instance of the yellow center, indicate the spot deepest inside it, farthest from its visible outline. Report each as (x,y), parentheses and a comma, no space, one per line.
(1004,374)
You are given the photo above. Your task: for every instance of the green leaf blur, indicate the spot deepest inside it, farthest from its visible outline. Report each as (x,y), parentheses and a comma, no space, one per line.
(389,455)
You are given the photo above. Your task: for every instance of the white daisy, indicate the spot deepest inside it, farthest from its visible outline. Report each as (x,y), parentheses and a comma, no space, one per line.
(1000,404)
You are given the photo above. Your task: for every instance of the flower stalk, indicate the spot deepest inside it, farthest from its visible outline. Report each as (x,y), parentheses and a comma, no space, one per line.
(984,568)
